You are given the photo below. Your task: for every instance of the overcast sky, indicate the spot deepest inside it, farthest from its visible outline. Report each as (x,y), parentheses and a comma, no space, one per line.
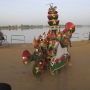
(34,12)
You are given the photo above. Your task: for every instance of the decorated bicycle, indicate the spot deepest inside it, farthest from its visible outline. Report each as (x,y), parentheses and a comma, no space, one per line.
(51,49)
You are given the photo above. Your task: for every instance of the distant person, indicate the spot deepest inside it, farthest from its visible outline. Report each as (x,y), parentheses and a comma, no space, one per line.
(89,35)
(1,37)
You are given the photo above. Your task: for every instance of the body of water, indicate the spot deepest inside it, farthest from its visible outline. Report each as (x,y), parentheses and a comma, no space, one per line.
(78,35)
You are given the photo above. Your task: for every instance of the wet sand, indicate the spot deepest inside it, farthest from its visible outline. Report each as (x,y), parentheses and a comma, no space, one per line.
(75,77)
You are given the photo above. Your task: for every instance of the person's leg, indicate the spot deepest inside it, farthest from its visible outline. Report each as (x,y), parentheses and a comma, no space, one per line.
(0,42)
(70,43)
(69,61)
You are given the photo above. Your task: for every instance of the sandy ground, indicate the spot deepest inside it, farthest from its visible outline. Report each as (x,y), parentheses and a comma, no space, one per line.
(75,77)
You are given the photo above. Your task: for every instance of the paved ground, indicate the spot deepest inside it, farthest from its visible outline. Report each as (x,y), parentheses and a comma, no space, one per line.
(75,77)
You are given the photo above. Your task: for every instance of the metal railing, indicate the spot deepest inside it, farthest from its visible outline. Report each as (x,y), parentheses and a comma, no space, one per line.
(76,36)
(18,39)
(86,36)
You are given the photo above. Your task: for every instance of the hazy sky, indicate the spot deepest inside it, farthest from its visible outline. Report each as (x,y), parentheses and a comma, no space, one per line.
(34,12)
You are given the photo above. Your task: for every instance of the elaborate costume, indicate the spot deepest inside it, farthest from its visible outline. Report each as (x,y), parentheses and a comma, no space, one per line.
(51,49)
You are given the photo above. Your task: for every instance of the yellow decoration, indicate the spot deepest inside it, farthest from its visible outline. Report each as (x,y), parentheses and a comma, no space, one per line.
(59,35)
(41,43)
(59,60)
(37,69)
(70,28)
(54,22)
(53,16)
(25,62)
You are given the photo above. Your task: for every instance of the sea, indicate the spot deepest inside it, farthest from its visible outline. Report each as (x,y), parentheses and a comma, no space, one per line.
(27,35)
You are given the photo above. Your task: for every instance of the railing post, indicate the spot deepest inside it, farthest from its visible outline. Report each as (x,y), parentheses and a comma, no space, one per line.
(88,35)
(83,36)
(77,36)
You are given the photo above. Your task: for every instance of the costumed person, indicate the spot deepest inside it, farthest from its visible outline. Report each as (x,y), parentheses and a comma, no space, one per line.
(51,49)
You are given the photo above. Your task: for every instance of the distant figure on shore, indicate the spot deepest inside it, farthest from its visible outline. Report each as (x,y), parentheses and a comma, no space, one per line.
(89,35)
(1,37)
